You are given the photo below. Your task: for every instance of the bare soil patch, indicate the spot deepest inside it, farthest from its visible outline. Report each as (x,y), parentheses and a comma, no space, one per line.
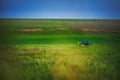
(97,30)
(30,30)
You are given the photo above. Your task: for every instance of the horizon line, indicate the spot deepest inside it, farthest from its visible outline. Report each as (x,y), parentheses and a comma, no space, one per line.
(67,18)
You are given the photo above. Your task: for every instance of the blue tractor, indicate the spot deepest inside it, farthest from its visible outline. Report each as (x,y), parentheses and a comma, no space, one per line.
(86,43)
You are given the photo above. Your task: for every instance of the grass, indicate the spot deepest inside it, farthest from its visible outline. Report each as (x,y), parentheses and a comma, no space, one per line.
(56,55)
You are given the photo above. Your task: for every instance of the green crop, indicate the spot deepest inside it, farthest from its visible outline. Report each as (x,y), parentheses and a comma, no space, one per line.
(51,50)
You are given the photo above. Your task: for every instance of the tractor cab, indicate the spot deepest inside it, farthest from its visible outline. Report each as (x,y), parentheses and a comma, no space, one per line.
(86,43)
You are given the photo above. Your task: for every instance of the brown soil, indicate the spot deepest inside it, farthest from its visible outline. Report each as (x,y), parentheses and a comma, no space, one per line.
(29,30)
(93,30)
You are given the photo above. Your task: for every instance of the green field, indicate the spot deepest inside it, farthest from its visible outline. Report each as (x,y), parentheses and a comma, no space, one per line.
(49,49)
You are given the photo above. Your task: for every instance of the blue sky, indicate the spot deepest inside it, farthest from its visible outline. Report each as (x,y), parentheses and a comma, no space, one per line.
(81,9)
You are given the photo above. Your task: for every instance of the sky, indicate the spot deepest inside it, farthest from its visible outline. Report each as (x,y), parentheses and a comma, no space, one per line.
(76,9)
